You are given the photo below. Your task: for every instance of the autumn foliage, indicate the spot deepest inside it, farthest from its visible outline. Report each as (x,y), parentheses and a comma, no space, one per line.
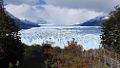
(71,56)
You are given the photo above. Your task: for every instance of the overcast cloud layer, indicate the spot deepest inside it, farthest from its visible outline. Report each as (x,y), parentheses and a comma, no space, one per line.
(60,12)
(98,5)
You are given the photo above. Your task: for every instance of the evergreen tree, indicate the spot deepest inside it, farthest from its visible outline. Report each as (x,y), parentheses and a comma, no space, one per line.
(10,41)
(111,31)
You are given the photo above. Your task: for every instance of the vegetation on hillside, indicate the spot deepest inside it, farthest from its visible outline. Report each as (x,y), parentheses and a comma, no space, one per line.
(11,48)
(111,31)
(72,56)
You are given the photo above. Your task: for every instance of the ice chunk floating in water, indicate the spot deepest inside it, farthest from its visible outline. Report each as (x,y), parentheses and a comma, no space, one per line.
(87,36)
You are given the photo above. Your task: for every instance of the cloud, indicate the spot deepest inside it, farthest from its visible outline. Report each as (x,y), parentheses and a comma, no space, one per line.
(98,5)
(59,11)
(58,15)
(52,14)
(30,2)
(25,11)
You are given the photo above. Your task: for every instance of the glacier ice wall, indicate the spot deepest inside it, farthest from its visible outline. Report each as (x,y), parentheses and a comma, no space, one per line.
(87,36)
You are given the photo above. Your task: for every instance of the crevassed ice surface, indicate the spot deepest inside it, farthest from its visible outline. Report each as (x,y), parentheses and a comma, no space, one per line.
(87,36)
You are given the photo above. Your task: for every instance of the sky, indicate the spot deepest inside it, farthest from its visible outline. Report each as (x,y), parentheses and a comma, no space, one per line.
(60,12)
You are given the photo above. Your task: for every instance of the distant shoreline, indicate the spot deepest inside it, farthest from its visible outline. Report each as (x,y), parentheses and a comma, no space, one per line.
(66,26)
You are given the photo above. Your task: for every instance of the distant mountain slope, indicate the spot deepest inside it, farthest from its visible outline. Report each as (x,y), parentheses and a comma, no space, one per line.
(23,24)
(93,22)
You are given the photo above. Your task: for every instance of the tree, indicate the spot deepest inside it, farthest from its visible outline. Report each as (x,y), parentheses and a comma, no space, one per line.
(10,41)
(48,53)
(33,57)
(33,50)
(71,55)
(111,31)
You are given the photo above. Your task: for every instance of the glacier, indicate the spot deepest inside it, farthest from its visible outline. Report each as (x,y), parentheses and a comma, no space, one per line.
(87,36)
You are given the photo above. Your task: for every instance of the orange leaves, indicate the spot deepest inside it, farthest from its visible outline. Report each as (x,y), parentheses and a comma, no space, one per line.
(72,56)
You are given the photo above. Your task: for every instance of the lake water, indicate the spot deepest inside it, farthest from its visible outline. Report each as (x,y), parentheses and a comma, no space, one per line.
(87,36)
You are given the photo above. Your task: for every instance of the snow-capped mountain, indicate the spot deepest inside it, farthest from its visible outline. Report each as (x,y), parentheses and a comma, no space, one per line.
(23,24)
(93,22)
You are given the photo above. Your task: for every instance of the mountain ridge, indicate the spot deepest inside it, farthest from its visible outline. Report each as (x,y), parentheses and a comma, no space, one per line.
(93,22)
(22,24)
(25,24)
